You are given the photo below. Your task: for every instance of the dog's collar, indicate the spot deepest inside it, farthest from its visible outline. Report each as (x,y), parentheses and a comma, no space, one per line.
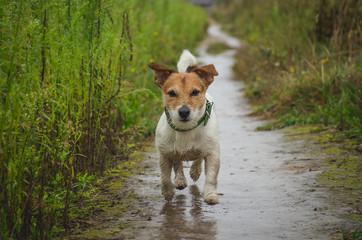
(204,119)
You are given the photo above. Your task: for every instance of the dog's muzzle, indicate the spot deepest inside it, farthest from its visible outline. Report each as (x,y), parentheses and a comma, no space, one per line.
(184,113)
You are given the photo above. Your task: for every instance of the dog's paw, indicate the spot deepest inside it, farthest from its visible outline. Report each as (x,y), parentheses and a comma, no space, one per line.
(211,198)
(180,182)
(168,192)
(195,170)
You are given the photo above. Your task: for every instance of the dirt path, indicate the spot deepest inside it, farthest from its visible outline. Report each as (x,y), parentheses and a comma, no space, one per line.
(267,186)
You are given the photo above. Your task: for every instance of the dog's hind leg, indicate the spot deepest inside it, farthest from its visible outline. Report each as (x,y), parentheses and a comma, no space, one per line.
(168,189)
(180,180)
(212,165)
(195,170)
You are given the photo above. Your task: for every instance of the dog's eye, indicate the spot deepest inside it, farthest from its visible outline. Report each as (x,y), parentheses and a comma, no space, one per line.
(172,94)
(195,93)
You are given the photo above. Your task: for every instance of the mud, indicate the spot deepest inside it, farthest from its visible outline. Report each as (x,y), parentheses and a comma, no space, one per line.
(267,186)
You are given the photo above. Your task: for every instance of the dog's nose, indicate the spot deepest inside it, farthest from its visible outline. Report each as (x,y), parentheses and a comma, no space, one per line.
(184,112)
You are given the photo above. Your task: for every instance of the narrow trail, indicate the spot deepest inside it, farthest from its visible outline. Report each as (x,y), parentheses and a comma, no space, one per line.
(264,191)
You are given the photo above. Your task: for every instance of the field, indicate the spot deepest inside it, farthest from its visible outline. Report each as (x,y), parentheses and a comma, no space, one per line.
(301,60)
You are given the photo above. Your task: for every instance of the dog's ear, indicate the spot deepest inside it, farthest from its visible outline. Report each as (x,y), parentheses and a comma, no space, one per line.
(207,73)
(161,73)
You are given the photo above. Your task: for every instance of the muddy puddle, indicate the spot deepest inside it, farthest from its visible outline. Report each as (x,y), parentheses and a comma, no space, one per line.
(267,187)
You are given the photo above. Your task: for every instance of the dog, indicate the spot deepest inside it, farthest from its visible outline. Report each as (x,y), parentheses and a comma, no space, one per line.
(188,128)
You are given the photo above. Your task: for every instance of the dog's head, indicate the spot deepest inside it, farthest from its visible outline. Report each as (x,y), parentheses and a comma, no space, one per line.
(184,93)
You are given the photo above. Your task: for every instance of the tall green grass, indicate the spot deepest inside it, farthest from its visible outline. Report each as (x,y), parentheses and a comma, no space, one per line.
(74,93)
(301,60)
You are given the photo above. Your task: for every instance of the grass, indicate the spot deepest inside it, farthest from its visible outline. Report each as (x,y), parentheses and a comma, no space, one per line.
(301,64)
(217,48)
(75,94)
(301,60)
(103,211)
(339,161)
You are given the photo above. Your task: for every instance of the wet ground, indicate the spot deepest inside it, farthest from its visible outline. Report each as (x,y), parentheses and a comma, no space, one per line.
(267,186)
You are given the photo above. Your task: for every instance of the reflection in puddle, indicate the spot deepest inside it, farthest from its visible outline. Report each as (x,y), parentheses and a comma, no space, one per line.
(183,222)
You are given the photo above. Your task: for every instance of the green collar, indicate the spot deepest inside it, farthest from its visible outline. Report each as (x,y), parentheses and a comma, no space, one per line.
(204,118)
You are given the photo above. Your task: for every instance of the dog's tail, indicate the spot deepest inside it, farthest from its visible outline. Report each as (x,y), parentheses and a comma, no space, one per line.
(187,62)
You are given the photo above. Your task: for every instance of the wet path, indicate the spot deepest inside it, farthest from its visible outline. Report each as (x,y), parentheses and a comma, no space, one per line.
(260,197)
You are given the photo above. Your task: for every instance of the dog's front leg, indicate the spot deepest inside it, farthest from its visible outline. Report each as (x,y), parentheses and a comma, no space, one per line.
(166,184)
(212,165)
(180,180)
(196,169)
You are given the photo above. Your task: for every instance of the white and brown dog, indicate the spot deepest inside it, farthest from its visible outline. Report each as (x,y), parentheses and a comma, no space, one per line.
(188,128)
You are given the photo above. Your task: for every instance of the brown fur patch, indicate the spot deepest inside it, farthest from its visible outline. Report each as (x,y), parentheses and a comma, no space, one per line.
(183,84)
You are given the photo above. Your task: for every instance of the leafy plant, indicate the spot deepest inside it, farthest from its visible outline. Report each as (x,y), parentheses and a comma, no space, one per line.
(300,59)
(83,182)
(75,91)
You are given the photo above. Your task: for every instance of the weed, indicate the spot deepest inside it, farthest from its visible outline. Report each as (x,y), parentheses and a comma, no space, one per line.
(74,93)
(301,60)
(217,48)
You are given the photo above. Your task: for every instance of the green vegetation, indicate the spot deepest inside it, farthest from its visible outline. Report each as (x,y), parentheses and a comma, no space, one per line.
(99,214)
(104,212)
(340,162)
(217,48)
(75,93)
(301,60)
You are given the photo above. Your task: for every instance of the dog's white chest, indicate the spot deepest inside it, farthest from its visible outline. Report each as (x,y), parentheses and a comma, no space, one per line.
(190,155)
(183,146)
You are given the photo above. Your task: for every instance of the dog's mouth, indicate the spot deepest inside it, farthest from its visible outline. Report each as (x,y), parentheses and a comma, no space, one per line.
(184,120)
